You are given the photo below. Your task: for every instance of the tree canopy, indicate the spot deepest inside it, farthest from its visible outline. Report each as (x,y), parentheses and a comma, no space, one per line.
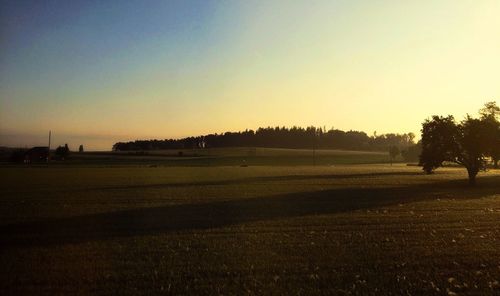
(490,114)
(469,143)
(62,151)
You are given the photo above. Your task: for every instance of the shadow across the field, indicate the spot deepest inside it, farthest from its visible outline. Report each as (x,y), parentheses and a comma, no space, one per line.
(264,179)
(158,220)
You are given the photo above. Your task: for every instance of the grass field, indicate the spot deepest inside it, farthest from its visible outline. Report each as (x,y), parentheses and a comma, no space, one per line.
(228,157)
(231,230)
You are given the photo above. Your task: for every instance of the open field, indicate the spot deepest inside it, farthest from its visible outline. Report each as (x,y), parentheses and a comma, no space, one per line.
(277,230)
(225,157)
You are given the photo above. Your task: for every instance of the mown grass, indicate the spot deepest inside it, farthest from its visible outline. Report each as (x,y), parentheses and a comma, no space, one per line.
(274,230)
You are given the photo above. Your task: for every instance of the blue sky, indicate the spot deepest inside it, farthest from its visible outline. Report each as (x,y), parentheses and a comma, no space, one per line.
(96,72)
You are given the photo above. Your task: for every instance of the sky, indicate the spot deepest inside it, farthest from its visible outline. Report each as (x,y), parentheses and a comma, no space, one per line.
(98,72)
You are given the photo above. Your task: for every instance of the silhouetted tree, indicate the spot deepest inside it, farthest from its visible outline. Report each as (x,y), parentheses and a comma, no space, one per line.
(490,114)
(445,140)
(491,110)
(439,142)
(473,140)
(63,151)
(80,149)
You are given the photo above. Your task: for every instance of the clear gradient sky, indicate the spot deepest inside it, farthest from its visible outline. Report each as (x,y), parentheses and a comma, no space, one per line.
(96,72)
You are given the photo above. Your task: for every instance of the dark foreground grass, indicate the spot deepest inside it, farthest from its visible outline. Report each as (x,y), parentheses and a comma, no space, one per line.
(258,230)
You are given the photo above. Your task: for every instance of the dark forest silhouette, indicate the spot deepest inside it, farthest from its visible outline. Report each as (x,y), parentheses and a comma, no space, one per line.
(279,137)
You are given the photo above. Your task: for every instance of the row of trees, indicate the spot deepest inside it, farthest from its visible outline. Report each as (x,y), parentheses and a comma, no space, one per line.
(471,143)
(64,151)
(279,137)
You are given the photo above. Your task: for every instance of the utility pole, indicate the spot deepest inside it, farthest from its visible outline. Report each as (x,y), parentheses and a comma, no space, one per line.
(48,153)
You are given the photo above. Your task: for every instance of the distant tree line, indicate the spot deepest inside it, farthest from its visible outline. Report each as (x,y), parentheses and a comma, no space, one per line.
(280,137)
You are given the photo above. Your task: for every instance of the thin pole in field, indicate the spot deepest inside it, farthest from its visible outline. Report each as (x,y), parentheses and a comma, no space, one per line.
(48,154)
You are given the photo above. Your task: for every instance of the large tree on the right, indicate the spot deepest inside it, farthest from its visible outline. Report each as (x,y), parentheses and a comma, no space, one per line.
(490,114)
(464,143)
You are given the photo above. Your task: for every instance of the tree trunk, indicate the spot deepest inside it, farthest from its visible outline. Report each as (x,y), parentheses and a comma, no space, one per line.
(472,176)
